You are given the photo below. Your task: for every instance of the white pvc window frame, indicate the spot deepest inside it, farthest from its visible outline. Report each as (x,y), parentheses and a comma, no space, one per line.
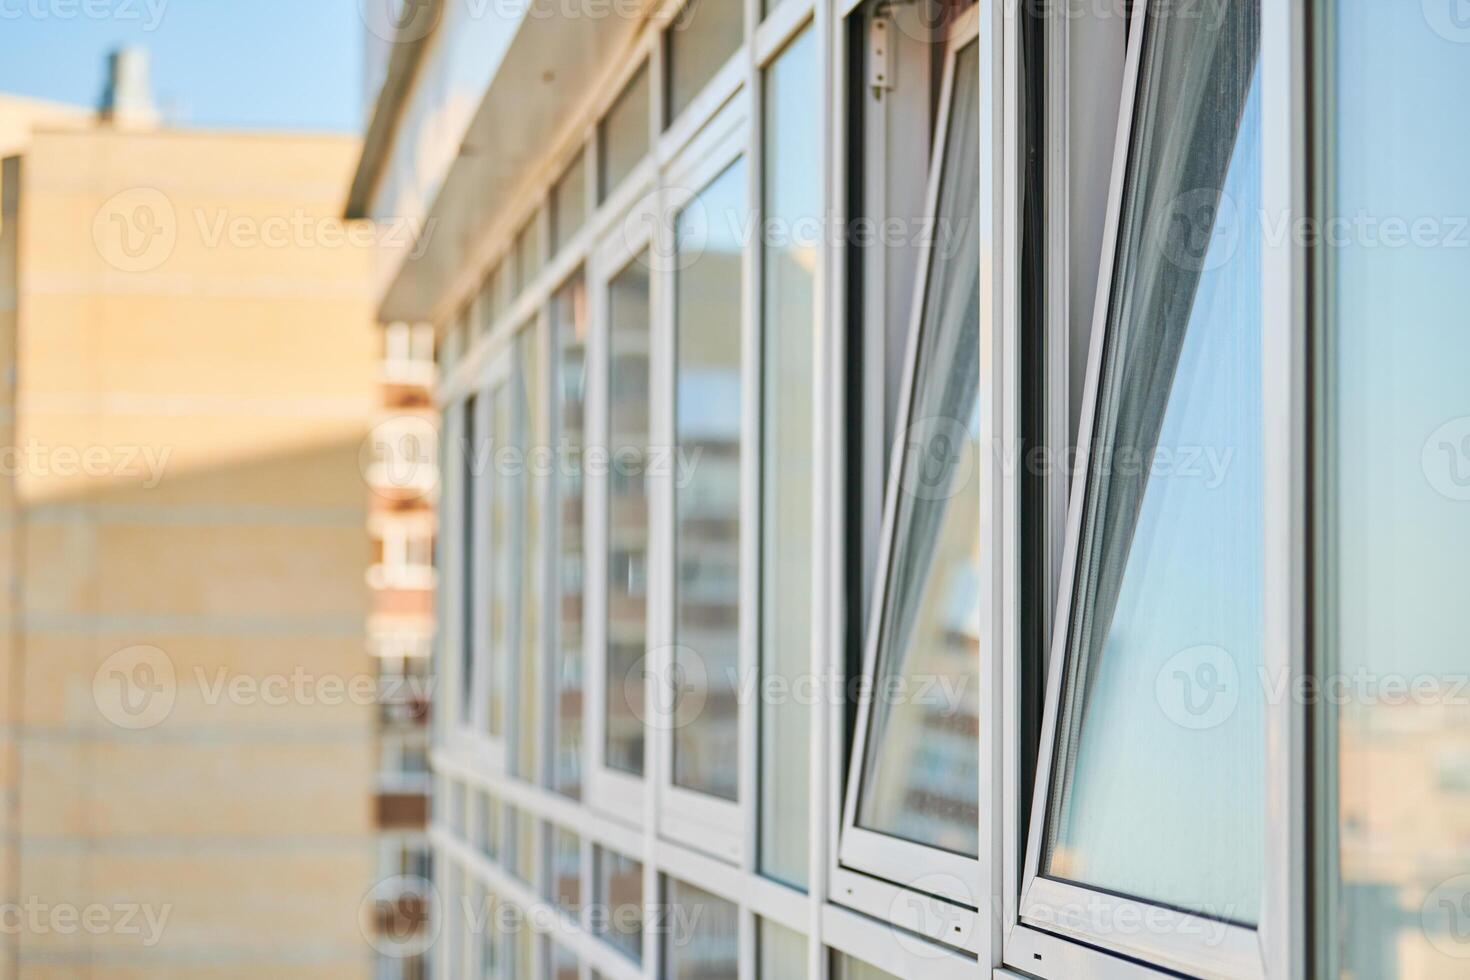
(613,791)
(947,875)
(716,826)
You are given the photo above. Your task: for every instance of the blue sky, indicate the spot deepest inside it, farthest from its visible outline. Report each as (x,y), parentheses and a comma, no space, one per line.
(276,64)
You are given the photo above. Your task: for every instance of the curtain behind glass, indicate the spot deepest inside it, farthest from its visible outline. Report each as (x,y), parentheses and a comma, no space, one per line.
(1149,798)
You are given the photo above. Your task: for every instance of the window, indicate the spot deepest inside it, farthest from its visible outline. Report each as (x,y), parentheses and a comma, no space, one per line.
(1151,793)
(469,587)
(499,290)
(1393,489)
(569,203)
(487,305)
(617,883)
(564,883)
(792,206)
(628,380)
(570,320)
(487,826)
(782,952)
(848,968)
(503,549)
(527,254)
(702,940)
(708,428)
(563,963)
(624,133)
(703,36)
(527,469)
(912,812)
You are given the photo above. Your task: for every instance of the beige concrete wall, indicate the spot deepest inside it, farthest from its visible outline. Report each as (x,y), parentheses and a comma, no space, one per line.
(195,376)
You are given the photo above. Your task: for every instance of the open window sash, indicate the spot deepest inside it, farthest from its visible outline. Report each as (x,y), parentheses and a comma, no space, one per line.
(1167,323)
(923,586)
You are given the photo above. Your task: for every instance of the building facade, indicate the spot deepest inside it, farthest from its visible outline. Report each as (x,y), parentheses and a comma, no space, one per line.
(404,479)
(191,374)
(940,488)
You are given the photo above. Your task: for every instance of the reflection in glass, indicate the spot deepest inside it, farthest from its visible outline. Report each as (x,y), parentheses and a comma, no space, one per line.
(528,254)
(1395,486)
(782,952)
(617,883)
(706,944)
(707,429)
(1157,792)
(627,523)
(530,434)
(624,134)
(570,320)
(922,767)
(564,963)
(704,35)
(845,967)
(793,200)
(564,883)
(487,826)
(505,544)
(468,594)
(569,203)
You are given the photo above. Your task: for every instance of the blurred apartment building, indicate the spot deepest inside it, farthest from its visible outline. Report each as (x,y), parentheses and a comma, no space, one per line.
(402,472)
(190,376)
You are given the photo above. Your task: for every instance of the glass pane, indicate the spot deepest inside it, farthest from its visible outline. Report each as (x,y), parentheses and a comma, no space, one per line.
(782,953)
(491,967)
(627,554)
(707,422)
(499,292)
(624,133)
(1159,778)
(845,967)
(487,825)
(1396,485)
(564,884)
(528,254)
(922,768)
(793,202)
(702,941)
(570,323)
(618,915)
(468,592)
(504,561)
(531,419)
(704,35)
(564,965)
(485,304)
(569,203)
